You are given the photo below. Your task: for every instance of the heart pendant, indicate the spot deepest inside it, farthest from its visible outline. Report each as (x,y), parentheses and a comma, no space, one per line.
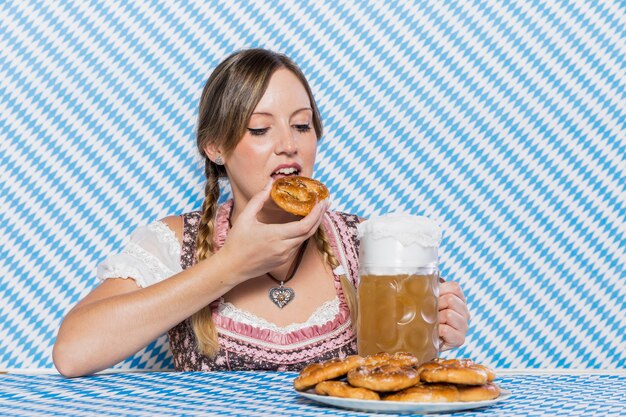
(281,296)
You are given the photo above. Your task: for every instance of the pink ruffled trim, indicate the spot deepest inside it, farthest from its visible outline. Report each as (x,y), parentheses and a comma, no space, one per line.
(296,355)
(283,339)
(221,223)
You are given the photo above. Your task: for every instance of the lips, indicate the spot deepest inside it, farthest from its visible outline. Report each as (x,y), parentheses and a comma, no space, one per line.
(286,170)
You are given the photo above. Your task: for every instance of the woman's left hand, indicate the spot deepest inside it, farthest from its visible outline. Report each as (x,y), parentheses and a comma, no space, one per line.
(453,316)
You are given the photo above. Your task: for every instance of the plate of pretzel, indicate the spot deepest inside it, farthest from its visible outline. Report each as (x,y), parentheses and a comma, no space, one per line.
(396,383)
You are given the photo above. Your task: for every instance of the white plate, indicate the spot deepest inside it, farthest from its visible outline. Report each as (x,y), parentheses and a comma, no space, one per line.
(400,406)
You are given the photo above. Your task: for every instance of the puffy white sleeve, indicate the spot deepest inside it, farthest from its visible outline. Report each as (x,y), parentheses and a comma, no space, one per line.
(151,254)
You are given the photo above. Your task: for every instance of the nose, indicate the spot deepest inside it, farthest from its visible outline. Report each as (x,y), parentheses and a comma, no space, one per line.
(286,142)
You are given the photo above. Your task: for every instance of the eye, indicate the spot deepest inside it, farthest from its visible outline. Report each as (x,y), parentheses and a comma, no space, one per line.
(258,132)
(303,128)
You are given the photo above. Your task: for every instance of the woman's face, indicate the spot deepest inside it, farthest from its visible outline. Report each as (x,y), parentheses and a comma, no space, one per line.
(280,139)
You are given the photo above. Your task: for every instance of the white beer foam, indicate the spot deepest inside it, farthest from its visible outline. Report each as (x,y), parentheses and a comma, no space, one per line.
(400,242)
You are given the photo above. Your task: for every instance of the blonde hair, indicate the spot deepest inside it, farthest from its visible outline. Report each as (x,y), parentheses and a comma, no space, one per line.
(228,100)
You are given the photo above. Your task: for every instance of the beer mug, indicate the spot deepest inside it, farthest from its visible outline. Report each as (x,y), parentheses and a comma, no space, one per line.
(399,286)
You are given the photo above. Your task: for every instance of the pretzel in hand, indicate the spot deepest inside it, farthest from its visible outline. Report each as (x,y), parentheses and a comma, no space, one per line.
(298,195)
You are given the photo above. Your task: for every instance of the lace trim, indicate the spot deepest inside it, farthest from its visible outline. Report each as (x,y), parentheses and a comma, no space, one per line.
(122,273)
(324,313)
(154,265)
(168,236)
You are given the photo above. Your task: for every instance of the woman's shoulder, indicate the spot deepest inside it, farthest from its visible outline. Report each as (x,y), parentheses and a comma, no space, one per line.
(176,223)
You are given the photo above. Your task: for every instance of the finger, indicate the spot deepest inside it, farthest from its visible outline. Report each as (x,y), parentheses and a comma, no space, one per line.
(451,287)
(299,238)
(454,320)
(443,346)
(453,302)
(311,226)
(306,226)
(257,201)
(450,337)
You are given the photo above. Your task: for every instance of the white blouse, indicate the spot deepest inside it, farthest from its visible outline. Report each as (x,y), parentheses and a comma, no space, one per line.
(152,254)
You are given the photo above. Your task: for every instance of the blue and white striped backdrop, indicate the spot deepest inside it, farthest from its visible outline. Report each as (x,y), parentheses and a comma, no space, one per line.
(503,120)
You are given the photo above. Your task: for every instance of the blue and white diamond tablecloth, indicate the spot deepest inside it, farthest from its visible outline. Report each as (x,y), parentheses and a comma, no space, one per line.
(503,120)
(271,394)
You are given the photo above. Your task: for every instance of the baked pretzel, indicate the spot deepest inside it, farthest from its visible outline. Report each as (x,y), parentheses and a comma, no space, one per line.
(456,371)
(479,392)
(442,380)
(491,375)
(298,195)
(345,390)
(383,378)
(399,358)
(315,373)
(427,393)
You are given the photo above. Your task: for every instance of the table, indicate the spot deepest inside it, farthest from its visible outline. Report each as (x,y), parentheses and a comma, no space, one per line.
(269,393)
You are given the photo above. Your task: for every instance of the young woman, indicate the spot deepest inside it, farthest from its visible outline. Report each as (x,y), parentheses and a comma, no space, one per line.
(207,277)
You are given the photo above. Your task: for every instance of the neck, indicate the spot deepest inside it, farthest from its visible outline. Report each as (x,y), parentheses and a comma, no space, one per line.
(294,266)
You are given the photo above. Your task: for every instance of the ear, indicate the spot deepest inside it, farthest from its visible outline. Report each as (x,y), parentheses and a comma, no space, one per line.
(212,151)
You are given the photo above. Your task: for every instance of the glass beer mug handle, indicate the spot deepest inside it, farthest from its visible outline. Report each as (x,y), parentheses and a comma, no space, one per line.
(439,339)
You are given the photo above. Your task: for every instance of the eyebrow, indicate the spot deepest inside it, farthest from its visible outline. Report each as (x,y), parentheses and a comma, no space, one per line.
(270,114)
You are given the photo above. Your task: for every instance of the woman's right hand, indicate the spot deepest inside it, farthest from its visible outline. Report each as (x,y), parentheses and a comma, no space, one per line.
(255,248)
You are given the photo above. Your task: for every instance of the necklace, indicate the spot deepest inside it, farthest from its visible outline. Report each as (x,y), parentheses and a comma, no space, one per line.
(281,295)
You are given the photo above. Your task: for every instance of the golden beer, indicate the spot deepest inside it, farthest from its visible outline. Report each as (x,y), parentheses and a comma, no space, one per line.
(399,313)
